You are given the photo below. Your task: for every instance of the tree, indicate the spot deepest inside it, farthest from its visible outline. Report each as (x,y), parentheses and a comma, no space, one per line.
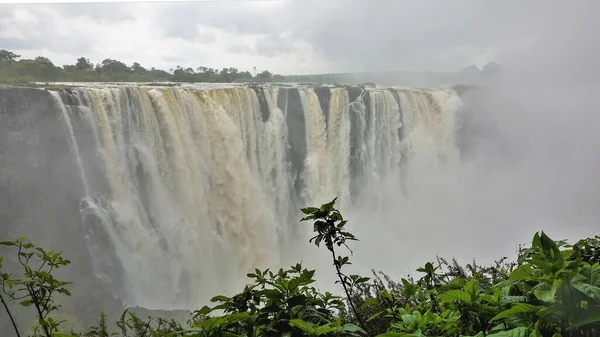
(264,76)
(159,73)
(225,75)
(44,61)
(137,68)
(246,75)
(37,287)
(107,61)
(8,56)
(329,226)
(84,64)
(116,69)
(41,69)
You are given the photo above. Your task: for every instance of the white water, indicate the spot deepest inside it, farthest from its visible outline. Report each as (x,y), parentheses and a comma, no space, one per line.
(200,188)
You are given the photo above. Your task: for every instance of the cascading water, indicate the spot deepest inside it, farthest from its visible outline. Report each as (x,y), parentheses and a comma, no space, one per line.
(192,188)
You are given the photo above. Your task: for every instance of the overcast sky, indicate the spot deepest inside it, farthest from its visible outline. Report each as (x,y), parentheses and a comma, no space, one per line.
(290,36)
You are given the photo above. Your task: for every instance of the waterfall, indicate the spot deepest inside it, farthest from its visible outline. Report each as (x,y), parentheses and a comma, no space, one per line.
(194,188)
(73,141)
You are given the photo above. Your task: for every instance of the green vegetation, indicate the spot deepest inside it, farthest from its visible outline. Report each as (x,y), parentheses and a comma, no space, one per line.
(37,285)
(24,71)
(551,290)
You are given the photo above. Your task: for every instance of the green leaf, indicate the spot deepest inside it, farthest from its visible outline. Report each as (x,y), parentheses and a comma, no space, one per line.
(324,329)
(518,308)
(591,274)
(588,290)
(328,207)
(353,328)
(550,248)
(205,310)
(567,254)
(64,291)
(375,316)
(516,332)
(409,319)
(369,302)
(230,334)
(362,280)
(592,315)
(535,333)
(309,210)
(272,294)
(512,299)
(522,272)
(393,334)
(549,310)
(479,334)
(219,298)
(297,300)
(26,303)
(471,287)
(455,295)
(545,293)
(303,325)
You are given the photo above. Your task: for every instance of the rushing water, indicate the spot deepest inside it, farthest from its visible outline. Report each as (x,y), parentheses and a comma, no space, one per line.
(192,188)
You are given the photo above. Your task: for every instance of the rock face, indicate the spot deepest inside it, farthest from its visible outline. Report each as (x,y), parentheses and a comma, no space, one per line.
(40,199)
(163,197)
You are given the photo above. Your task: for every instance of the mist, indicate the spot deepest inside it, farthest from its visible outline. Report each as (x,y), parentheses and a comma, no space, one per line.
(529,160)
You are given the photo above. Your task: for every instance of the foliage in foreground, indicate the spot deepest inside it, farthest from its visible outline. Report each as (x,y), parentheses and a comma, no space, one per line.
(551,290)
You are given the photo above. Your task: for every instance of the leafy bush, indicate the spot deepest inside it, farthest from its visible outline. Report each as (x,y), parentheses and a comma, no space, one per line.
(37,285)
(551,290)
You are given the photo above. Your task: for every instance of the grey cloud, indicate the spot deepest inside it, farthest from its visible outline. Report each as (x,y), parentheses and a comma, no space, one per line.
(38,34)
(272,45)
(195,33)
(101,12)
(364,33)
(356,35)
(389,34)
(240,49)
(420,34)
(14,44)
(181,20)
(186,20)
(183,61)
(205,36)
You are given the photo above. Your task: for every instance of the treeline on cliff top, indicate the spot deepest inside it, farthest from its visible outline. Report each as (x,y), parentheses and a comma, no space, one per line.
(17,70)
